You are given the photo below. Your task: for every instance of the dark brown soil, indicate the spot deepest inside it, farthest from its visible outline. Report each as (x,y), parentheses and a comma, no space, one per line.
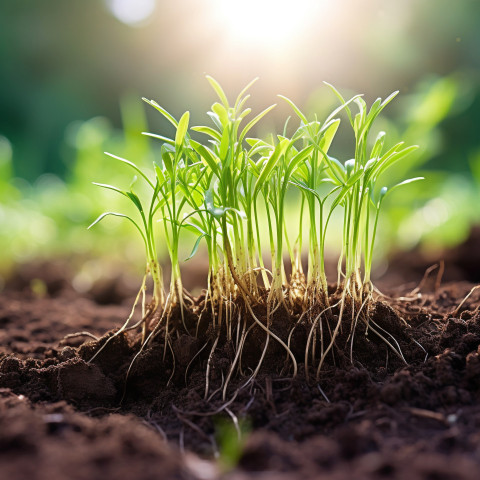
(64,418)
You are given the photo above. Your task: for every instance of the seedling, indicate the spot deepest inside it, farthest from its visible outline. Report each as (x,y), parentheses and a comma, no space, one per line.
(224,188)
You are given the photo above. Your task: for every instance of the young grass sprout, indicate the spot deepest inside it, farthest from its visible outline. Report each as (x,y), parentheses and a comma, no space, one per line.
(232,191)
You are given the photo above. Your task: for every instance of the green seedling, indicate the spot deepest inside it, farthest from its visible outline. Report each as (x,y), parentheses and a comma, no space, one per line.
(227,187)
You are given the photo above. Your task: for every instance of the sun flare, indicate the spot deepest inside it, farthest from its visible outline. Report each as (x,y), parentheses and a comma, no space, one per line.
(265,22)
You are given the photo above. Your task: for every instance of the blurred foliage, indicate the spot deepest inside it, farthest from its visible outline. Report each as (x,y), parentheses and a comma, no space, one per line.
(50,216)
(231,436)
(439,211)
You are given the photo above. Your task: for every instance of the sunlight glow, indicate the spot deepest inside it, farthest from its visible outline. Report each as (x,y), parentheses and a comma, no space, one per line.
(266,22)
(131,12)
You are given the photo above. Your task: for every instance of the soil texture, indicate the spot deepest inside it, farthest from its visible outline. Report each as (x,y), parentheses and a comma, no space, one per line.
(370,414)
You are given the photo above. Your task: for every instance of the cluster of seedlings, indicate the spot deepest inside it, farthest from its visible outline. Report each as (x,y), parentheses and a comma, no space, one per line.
(231,191)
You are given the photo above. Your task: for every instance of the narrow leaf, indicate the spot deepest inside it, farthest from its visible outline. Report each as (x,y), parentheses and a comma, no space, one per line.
(195,247)
(208,131)
(219,91)
(222,114)
(110,187)
(207,156)
(159,137)
(242,93)
(115,214)
(167,115)
(254,121)
(295,109)
(182,130)
(131,164)
(269,166)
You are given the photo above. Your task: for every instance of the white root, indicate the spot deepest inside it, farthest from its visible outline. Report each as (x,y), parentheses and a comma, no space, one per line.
(145,316)
(314,324)
(455,312)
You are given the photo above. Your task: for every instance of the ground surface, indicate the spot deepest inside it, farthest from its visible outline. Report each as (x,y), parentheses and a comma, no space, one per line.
(61,417)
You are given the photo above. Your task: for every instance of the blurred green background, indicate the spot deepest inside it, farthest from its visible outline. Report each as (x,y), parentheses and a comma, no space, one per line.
(72,74)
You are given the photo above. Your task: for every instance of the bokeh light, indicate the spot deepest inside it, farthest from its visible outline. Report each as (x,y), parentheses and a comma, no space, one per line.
(132,12)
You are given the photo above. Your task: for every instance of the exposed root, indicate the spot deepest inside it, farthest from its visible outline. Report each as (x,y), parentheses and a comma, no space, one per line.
(209,363)
(354,327)
(323,394)
(333,335)
(397,350)
(455,312)
(309,339)
(327,329)
(236,358)
(424,279)
(146,313)
(192,360)
(78,334)
(278,339)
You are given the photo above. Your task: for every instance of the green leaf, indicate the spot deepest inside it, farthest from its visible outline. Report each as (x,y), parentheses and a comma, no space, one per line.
(342,100)
(207,156)
(221,113)
(340,197)
(302,117)
(155,105)
(297,159)
(355,178)
(160,175)
(258,147)
(255,170)
(269,166)
(210,207)
(182,130)
(242,93)
(254,121)
(374,109)
(378,145)
(307,190)
(219,91)
(115,214)
(362,109)
(405,182)
(302,172)
(224,144)
(389,98)
(132,183)
(336,170)
(191,227)
(160,137)
(257,141)
(167,158)
(110,187)
(136,201)
(131,164)
(245,113)
(216,120)
(208,131)
(344,105)
(389,161)
(195,247)
(329,135)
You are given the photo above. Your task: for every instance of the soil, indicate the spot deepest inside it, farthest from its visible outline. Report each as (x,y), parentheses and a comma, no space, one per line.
(63,417)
